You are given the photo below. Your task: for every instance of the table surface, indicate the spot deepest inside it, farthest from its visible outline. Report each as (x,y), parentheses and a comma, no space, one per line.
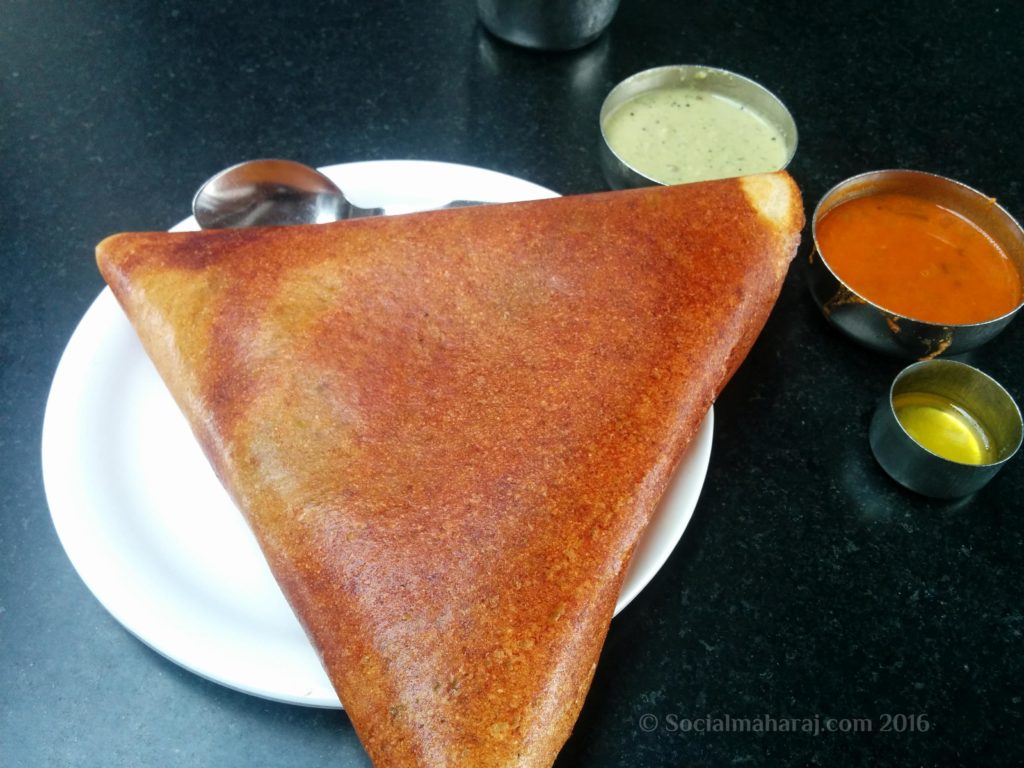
(808,584)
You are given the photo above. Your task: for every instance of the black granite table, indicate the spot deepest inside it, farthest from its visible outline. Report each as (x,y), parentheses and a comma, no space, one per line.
(808,585)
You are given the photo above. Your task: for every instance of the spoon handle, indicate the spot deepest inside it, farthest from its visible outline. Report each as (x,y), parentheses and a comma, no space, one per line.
(401,209)
(355,212)
(464,203)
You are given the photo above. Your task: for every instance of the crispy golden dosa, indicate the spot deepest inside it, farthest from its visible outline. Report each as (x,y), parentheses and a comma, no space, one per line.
(448,430)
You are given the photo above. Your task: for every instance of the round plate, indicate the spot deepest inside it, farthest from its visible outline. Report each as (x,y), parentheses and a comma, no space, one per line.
(156,538)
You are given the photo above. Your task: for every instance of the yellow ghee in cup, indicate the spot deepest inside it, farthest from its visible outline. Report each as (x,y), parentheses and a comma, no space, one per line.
(943,427)
(681,134)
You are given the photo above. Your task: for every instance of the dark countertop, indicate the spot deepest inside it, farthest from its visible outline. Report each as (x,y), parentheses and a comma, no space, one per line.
(807,584)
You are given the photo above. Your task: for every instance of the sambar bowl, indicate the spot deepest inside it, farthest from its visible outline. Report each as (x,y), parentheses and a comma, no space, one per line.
(880,328)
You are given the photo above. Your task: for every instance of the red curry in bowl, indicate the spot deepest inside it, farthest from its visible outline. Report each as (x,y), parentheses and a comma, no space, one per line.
(919,259)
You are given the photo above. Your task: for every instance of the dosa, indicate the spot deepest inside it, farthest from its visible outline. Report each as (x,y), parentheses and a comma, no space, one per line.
(449,429)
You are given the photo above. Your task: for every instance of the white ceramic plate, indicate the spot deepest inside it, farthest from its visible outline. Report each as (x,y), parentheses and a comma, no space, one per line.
(156,538)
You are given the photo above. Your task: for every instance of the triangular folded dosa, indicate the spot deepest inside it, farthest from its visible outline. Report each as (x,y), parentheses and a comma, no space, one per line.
(448,430)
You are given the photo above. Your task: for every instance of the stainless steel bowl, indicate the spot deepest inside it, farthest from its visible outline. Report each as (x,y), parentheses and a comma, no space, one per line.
(737,88)
(916,467)
(890,332)
(547,24)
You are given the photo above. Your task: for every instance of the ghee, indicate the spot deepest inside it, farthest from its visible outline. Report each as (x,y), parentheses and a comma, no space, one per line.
(681,134)
(944,427)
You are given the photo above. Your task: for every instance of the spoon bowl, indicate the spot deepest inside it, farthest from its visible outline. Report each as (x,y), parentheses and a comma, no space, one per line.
(270,193)
(266,193)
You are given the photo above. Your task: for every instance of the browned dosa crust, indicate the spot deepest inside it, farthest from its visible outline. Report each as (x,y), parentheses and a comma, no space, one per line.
(448,430)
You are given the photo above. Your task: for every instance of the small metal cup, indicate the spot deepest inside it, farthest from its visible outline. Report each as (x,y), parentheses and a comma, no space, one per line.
(555,25)
(919,469)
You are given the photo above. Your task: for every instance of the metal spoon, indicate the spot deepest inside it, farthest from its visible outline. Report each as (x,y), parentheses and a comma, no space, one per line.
(272,192)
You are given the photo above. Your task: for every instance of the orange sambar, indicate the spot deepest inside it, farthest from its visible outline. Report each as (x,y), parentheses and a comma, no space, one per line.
(912,257)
